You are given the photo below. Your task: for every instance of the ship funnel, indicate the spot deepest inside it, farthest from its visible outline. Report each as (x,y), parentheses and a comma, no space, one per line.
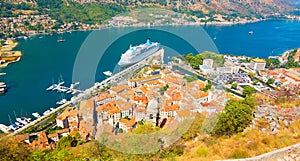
(149,41)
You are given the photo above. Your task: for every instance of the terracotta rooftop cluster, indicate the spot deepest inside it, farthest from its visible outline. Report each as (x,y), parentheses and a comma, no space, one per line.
(121,107)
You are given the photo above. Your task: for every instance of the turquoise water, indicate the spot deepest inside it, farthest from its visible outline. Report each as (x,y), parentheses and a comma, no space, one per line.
(45,60)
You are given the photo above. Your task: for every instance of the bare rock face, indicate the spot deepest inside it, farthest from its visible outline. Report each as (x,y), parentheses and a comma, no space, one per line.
(275,117)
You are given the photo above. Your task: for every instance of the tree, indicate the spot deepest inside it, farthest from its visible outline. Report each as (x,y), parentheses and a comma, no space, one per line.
(10,149)
(250,101)
(163,89)
(120,130)
(64,142)
(272,63)
(194,61)
(235,118)
(251,74)
(218,59)
(255,82)
(248,91)
(207,86)
(270,81)
(234,86)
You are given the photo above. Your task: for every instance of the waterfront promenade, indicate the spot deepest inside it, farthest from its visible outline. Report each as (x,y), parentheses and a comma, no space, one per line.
(42,118)
(113,79)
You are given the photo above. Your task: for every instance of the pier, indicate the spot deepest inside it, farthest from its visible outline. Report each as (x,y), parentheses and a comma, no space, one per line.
(42,118)
(60,88)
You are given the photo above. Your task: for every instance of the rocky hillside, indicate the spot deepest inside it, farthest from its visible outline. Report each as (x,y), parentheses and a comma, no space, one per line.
(245,7)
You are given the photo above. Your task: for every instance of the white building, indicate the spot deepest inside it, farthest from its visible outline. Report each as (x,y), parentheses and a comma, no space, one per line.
(227,70)
(206,69)
(208,62)
(257,64)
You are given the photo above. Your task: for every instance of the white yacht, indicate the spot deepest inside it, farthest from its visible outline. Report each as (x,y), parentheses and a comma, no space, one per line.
(108,73)
(35,114)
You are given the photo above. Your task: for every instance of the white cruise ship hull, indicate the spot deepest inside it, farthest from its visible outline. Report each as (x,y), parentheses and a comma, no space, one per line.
(139,58)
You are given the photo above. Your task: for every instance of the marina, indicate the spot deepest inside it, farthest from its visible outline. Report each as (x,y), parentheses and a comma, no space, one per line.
(26,122)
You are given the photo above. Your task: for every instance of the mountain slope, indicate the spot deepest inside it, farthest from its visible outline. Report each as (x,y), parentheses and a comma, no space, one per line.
(245,7)
(242,7)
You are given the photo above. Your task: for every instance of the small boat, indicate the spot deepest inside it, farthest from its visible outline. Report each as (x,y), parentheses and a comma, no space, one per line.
(2,90)
(74,92)
(13,127)
(250,32)
(63,101)
(62,89)
(46,112)
(19,124)
(51,87)
(27,119)
(35,114)
(61,40)
(73,85)
(4,128)
(2,85)
(52,109)
(108,73)
(41,37)
(61,83)
(22,121)
(25,37)
(69,91)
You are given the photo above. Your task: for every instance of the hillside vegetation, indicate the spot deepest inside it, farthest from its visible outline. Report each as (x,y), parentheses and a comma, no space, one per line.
(91,10)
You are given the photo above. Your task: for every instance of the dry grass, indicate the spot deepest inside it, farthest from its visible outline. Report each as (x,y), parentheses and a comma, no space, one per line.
(263,100)
(290,103)
(247,144)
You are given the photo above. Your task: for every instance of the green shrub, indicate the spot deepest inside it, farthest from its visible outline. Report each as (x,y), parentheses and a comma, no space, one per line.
(202,152)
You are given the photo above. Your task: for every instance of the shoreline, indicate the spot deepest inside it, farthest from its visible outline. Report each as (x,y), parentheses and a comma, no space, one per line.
(8,55)
(177,25)
(203,24)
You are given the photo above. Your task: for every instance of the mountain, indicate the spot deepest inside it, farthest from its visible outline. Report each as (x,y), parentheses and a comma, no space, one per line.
(237,7)
(244,7)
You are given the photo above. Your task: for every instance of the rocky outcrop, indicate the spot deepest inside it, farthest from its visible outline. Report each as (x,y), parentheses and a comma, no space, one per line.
(275,117)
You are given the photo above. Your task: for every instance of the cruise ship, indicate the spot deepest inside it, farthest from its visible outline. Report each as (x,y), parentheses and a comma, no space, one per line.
(137,53)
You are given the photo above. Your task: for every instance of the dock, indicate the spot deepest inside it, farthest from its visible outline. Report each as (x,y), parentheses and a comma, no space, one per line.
(60,88)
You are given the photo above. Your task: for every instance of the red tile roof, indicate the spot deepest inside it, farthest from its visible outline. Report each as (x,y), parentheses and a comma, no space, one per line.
(128,123)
